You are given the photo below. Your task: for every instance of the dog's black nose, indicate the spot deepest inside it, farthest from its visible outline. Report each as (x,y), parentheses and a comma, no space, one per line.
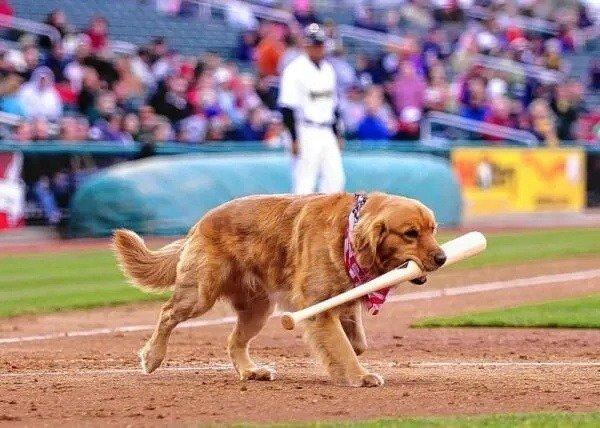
(439,258)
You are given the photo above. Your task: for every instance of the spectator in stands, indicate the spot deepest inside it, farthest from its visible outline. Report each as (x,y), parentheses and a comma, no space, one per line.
(408,89)
(128,89)
(40,129)
(566,109)
(10,101)
(131,126)
(141,68)
(57,19)
(408,124)
(352,108)
(499,114)
(6,8)
(39,96)
(148,122)
(254,127)
(276,134)
(372,127)
(475,107)
(26,58)
(304,12)
(23,132)
(246,46)
(543,122)
(595,75)
(438,94)
(57,61)
(98,34)
(269,51)
(171,100)
(104,106)
(108,128)
(344,72)
(68,129)
(99,61)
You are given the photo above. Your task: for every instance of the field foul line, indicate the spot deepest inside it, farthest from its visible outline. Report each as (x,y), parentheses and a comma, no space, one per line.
(420,295)
(227,367)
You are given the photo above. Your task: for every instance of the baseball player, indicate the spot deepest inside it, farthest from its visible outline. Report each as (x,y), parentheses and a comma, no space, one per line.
(308,102)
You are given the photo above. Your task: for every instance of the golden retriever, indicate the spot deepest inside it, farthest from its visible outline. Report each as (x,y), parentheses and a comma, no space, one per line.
(261,250)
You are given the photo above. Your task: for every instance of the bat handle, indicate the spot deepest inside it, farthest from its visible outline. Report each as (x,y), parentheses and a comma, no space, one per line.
(288,321)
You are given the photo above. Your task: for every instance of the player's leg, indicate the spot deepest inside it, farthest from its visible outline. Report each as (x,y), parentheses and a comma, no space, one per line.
(306,164)
(332,170)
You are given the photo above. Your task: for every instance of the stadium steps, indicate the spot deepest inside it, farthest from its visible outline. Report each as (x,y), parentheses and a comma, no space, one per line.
(137,22)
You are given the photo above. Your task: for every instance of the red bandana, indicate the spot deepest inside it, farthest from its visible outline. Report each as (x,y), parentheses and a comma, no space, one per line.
(373,301)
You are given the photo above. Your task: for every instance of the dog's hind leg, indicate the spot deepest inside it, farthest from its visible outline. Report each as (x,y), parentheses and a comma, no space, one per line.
(252,315)
(189,300)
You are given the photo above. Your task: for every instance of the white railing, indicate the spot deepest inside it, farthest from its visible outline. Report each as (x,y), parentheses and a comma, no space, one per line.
(520,69)
(14,120)
(122,47)
(371,36)
(29,26)
(525,22)
(257,10)
(10,119)
(455,121)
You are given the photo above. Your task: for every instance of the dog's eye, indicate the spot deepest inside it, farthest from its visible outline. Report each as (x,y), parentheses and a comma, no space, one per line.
(412,233)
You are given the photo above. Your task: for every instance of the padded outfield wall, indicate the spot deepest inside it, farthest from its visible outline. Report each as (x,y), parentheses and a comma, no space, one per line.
(167,195)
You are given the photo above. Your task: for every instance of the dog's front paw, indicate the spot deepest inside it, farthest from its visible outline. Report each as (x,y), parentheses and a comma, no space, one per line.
(258,373)
(371,380)
(150,358)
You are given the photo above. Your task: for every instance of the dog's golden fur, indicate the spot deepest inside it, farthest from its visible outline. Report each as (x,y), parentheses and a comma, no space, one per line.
(259,250)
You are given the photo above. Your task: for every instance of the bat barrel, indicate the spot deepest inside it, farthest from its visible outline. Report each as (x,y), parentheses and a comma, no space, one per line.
(463,247)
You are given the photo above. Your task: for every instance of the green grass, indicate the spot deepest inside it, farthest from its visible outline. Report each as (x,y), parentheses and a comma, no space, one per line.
(82,279)
(583,312)
(528,420)
(521,247)
(48,282)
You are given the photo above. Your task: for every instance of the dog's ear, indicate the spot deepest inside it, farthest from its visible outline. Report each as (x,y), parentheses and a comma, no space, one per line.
(369,233)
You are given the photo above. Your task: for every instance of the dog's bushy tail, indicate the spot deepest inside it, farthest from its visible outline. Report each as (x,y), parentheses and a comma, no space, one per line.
(146,269)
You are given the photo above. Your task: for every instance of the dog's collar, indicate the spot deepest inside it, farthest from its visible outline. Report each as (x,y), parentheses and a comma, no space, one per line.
(359,275)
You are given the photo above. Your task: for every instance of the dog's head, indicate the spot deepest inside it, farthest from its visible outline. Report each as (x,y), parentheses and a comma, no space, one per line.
(393,230)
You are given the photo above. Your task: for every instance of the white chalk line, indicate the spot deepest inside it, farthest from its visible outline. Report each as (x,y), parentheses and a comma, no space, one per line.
(228,367)
(420,295)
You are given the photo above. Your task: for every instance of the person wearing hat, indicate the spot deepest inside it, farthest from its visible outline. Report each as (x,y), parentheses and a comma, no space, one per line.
(308,102)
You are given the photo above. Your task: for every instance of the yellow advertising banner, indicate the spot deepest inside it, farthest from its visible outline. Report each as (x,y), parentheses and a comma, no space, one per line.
(511,179)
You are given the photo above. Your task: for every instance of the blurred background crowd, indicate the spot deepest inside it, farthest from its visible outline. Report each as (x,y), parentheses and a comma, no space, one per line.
(499,63)
(76,88)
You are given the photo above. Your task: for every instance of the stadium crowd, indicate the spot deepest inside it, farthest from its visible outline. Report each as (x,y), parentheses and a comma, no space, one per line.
(78,89)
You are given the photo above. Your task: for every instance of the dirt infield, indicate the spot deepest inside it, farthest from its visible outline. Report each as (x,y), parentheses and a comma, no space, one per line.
(94,378)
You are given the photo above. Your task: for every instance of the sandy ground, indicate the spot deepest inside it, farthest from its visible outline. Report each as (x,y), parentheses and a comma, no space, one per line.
(95,379)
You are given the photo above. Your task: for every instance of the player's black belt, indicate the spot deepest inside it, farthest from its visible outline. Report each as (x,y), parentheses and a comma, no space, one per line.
(318,124)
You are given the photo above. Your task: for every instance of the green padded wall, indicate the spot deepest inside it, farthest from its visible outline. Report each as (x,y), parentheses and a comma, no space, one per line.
(167,195)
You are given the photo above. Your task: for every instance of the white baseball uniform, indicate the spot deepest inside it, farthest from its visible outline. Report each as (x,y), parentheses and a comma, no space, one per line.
(310,91)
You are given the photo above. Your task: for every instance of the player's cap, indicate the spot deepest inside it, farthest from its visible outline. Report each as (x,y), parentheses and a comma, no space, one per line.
(314,34)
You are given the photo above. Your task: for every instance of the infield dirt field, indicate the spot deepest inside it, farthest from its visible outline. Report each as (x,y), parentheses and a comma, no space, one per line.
(92,376)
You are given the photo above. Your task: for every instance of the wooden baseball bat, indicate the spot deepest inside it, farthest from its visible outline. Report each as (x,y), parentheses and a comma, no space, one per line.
(458,249)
